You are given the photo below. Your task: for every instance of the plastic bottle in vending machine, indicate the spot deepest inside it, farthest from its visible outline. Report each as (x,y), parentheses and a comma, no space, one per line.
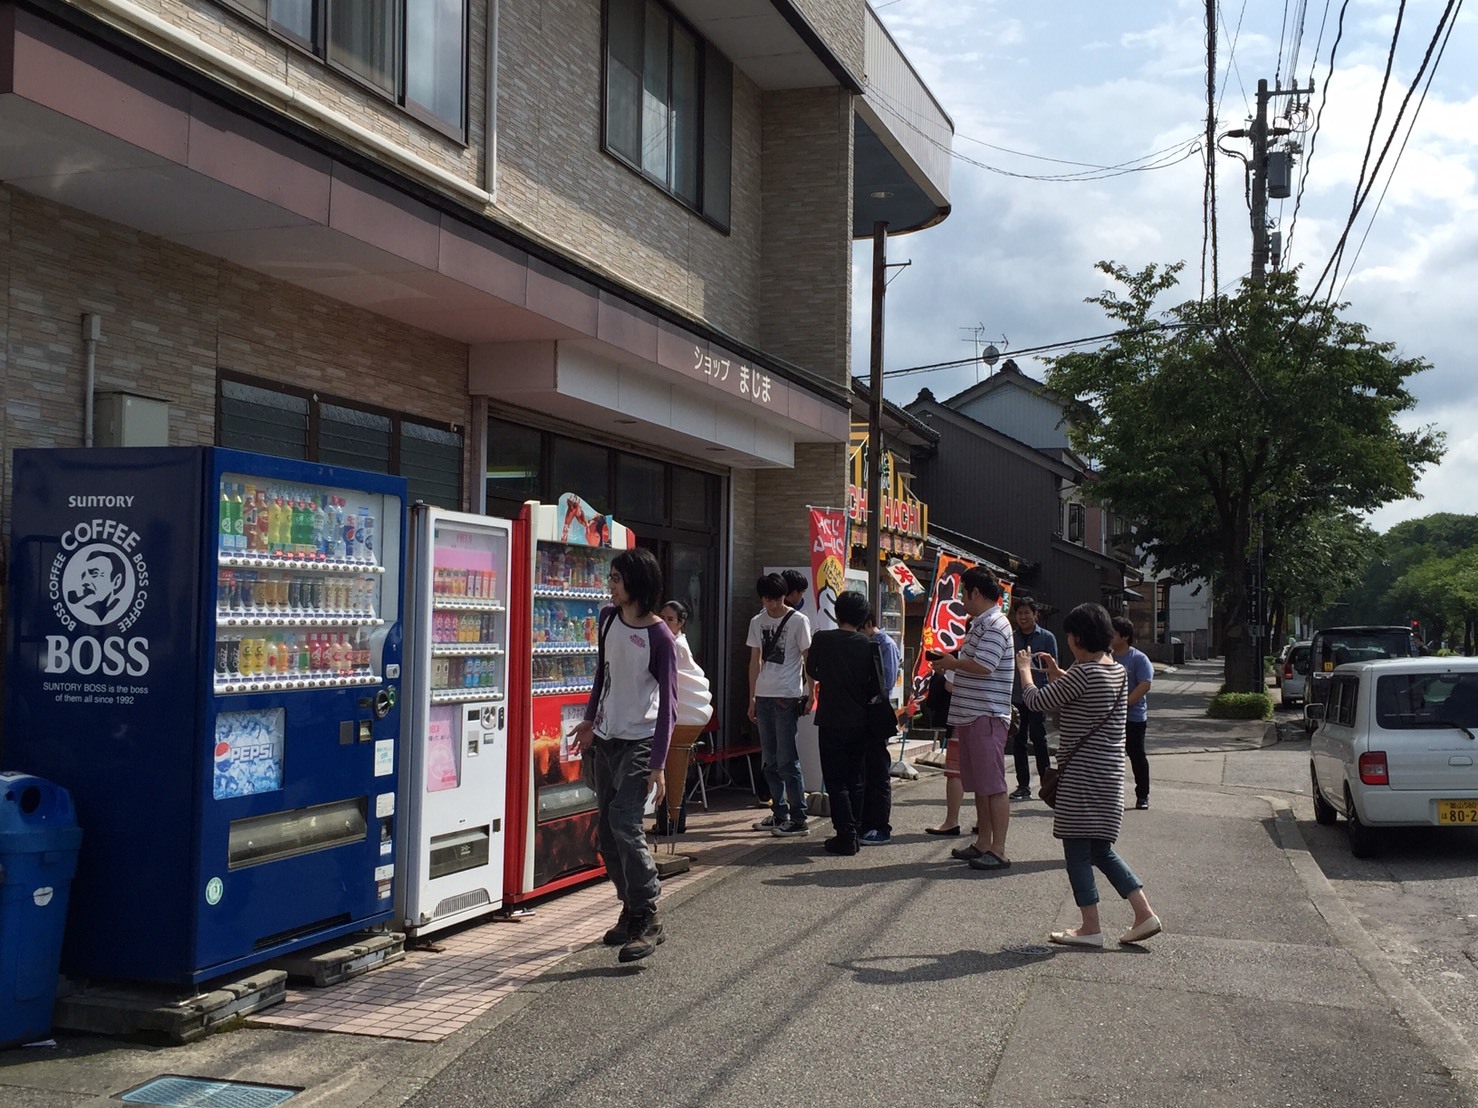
(367,535)
(226,540)
(321,541)
(249,519)
(262,517)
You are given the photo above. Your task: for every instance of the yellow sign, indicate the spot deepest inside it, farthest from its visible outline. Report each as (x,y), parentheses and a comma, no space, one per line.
(905,518)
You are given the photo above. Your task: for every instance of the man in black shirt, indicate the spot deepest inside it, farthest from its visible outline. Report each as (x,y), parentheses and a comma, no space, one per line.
(841,662)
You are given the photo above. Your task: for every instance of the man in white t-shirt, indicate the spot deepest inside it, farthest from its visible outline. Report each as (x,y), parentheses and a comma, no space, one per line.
(779,694)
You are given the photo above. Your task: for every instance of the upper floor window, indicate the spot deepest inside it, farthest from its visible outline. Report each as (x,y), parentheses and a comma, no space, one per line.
(413,51)
(268,418)
(1077,518)
(669,105)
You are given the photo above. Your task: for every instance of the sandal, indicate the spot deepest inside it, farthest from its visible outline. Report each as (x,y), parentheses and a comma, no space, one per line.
(990,860)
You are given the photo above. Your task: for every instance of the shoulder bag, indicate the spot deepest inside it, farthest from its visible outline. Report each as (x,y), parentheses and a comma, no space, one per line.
(1052,777)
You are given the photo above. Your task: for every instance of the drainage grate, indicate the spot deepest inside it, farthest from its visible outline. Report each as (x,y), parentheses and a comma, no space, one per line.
(198,1092)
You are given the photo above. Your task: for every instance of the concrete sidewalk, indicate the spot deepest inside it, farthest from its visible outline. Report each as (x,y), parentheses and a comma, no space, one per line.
(901,977)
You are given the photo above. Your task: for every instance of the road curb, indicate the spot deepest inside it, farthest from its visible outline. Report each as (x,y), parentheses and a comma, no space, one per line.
(1436,1032)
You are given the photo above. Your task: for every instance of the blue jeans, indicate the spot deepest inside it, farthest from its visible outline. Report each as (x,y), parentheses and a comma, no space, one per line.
(1082,855)
(618,773)
(776,717)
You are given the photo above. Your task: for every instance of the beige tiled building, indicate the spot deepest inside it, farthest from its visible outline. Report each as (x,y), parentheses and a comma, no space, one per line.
(506,248)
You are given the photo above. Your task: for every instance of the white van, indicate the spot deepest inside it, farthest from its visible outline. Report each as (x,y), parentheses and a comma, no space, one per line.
(1397,746)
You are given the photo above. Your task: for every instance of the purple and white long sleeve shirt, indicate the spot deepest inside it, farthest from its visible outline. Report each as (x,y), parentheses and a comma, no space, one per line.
(635,691)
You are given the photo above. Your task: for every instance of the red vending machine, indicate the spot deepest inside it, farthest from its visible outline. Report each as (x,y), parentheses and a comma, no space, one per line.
(564,551)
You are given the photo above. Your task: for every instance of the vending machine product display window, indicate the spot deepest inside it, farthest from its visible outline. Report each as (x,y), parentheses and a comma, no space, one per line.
(565,551)
(454,793)
(216,680)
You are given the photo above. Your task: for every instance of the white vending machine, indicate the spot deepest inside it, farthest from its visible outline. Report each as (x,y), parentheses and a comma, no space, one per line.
(454,784)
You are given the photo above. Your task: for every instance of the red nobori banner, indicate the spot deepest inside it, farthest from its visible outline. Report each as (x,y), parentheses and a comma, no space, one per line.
(828,561)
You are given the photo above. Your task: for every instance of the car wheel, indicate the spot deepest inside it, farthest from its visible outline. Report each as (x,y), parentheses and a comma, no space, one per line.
(1324,813)
(1362,839)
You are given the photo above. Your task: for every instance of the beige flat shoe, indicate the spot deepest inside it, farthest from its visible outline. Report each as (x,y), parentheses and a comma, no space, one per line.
(1068,938)
(1140,932)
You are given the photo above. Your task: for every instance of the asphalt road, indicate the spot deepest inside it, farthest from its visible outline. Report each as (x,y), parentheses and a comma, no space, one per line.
(902,978)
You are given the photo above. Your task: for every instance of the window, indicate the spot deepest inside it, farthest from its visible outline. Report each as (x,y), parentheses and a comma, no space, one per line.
(669,105)
(413,51)
(1076,522)
(266,418)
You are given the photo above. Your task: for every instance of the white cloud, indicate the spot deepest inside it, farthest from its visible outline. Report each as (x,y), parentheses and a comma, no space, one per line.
(1104,83)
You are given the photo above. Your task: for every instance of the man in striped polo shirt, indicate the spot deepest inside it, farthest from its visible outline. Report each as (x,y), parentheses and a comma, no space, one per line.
(980,712)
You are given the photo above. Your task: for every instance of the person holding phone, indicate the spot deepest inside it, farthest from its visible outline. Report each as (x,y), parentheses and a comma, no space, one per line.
(1036,640)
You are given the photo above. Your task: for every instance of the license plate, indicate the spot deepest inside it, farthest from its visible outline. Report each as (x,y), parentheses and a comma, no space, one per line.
(1462,812)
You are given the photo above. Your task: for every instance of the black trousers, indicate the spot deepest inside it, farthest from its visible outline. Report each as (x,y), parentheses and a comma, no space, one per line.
(877,788)
(1033,728)
(842,751)
(1138,762)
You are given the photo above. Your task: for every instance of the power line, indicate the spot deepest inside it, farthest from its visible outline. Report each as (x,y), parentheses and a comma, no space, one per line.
(1448,13)
(1416,112)
(1339,34)
(1129,332)
(1158,159)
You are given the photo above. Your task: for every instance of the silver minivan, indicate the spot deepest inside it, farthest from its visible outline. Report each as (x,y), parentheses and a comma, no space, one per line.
(1295,677)
(1397,746)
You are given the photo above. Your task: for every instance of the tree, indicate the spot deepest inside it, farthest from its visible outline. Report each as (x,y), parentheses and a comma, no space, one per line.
(1313,558)
(1394,555)
(1222,426)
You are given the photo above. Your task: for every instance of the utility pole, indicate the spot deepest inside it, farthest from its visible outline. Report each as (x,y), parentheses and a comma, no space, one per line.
(875,419)
(1259,133)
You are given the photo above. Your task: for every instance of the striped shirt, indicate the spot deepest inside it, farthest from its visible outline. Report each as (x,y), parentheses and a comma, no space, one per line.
(988,643)
(1090,796)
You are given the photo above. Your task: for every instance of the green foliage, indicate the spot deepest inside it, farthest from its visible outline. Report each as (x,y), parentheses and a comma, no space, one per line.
(1244,421)
(1241,705)
(1397,584)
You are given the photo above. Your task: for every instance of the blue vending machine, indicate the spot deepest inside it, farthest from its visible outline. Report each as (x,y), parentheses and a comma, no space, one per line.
(204,648)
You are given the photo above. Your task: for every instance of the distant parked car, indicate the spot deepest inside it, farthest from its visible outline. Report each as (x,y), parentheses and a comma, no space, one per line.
(1294,672)
(1332,647)
(1397,746)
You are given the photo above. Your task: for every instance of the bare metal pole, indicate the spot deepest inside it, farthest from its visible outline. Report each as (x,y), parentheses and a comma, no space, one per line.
(875,420)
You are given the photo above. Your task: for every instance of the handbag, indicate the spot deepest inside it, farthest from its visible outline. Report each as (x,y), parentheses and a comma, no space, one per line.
(1051,777)
(882,720)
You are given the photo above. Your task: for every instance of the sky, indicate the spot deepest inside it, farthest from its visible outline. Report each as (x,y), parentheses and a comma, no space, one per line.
(1106,83)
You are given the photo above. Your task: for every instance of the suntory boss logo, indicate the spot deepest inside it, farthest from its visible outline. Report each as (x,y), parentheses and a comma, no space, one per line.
(99,579)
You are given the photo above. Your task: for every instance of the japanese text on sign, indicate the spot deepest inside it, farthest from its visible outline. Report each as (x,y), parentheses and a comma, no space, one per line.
(752,383)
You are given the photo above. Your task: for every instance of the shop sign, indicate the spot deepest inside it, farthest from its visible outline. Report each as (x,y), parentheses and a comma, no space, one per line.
(904,517)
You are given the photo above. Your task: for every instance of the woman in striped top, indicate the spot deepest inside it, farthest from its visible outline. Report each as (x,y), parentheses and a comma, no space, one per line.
(1090,797)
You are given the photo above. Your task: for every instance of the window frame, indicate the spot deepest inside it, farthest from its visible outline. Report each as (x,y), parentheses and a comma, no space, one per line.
(316,399)
(318,50)
(706,51)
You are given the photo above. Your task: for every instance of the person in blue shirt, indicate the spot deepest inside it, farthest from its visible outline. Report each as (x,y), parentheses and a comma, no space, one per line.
(1034,639)
(1140,672)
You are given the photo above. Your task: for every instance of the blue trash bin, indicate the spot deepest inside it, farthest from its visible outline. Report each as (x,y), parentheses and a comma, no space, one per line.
(39,838)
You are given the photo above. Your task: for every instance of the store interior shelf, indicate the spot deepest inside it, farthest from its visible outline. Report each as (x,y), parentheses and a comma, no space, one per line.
(319,619)
(467,604)
(560,592)
(564,648)
(461,696)
(465,650)
(268,683)
(562,690)
(308,565)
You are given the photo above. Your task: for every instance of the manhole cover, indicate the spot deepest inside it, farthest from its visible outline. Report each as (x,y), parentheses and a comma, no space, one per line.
(199,1092)
(1029,950)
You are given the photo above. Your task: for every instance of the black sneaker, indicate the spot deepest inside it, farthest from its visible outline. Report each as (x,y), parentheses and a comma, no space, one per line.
(1023,793)
(618,935)
(646,936)
(1142,805)
(790,827)
(766,824)
(839,845)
